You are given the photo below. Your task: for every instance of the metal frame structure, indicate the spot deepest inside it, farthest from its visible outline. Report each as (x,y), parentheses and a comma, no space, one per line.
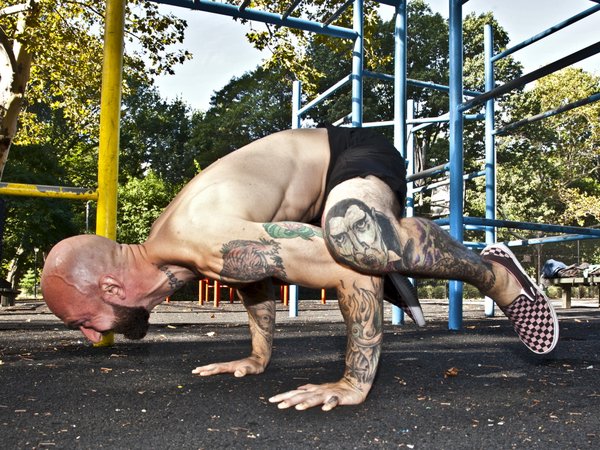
(404,124)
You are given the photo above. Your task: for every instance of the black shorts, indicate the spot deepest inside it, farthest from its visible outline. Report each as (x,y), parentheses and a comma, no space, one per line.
(359,152)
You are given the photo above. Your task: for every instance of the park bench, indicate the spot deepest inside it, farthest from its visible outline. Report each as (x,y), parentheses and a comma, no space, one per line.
(568,283)
(8,296)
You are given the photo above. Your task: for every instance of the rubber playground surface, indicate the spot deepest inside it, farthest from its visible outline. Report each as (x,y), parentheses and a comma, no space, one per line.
(436,389)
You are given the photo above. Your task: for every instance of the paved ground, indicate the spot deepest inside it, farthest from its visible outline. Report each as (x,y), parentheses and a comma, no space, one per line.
(57,392)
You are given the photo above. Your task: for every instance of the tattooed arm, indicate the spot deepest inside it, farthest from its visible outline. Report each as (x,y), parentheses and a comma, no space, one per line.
(360,301)
(259,302)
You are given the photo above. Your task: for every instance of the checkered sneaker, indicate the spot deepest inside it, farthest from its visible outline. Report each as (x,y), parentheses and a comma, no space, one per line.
(531,314)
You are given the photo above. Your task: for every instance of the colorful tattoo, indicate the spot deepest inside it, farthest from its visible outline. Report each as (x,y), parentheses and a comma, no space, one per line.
(290,230)
(174,282)
(252,260)
(362,311)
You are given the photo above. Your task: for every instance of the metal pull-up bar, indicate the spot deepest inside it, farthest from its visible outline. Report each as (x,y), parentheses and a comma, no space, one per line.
(532,76)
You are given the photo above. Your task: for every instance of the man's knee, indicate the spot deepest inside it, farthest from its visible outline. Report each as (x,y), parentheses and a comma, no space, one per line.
(359,236)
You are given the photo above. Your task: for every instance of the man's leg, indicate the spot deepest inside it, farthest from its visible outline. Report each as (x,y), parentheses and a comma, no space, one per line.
(362,229)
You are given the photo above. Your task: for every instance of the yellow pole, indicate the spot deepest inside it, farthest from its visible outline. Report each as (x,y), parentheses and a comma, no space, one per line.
(110,111)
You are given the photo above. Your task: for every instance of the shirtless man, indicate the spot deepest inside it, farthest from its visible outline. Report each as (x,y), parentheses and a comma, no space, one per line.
(247,219)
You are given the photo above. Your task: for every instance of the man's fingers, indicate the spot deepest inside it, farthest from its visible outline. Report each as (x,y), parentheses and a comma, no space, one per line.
(331,403)
(211,369)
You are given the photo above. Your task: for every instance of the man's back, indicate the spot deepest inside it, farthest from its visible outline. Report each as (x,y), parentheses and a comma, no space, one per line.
(278,178)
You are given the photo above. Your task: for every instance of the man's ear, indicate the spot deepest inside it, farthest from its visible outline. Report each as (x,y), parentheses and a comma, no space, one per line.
(111,289)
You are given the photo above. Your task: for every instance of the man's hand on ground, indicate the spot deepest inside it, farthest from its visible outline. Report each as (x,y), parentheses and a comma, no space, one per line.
(329,395)
(239,368)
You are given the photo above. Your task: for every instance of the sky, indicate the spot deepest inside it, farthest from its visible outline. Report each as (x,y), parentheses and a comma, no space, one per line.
(221,51)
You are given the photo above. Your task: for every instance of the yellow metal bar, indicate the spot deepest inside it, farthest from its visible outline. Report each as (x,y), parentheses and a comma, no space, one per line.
(110,110)
(36,190)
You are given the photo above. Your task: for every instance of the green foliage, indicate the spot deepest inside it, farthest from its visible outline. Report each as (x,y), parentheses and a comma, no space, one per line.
(549,169)
(141,201)
(65,40)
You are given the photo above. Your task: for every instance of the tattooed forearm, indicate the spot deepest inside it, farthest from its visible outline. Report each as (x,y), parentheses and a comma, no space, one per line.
(252,260)
(174,282)
(362,311)
(261,318)
(290,230)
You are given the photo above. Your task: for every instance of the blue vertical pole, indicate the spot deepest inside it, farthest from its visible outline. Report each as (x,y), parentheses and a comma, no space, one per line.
(456,153)
(296,103)
(490,149)
(296,122)
(400,78)
(357,65)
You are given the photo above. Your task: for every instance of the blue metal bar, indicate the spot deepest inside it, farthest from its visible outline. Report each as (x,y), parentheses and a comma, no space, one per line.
(547,32)
(244,4)
(490,149)
(526,226)
(417,83)
(338,13)
(227,9)
(357,65)
(296,103)
(456,152)
(544,115)
(324,95)
(437,184)
(534,75)
(400,108)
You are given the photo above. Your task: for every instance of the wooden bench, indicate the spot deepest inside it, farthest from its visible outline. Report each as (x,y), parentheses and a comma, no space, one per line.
(566,284)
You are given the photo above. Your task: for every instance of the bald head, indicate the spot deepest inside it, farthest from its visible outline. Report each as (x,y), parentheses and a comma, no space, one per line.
(72,272)
(80,279)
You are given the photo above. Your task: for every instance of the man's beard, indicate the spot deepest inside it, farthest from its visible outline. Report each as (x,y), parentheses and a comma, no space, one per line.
(131,322)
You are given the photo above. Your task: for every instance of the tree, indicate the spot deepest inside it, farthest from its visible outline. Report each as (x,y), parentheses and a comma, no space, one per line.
(55,50)
(141,201)
(247,108)
(154,133)
(550,169)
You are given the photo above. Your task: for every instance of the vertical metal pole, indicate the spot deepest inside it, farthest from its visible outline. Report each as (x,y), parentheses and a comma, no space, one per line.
(357,65)
(490,149)
(110,109)
(296,122)
(400,77)
(296,103)
(456,153)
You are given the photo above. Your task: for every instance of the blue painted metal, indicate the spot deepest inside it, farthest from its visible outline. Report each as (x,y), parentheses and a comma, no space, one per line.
(263,16)
(291,9)
(357,65)
(456,153)
(329,92)
(296,103)
(400,110)
(568,60)
(546,32)
(490,149)
(545,115)
(338,13)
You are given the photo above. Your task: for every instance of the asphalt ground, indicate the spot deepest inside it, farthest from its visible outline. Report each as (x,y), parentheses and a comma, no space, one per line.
(435,389)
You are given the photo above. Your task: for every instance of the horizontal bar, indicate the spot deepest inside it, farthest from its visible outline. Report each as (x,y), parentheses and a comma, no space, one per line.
(528,226)
(40,190)
(383,123)
(227,9)
(532,76)
(14,9)
(535,241)
(548,32)
(417,83)
(324,95)
(545,115)
(428,172)
(445,182)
